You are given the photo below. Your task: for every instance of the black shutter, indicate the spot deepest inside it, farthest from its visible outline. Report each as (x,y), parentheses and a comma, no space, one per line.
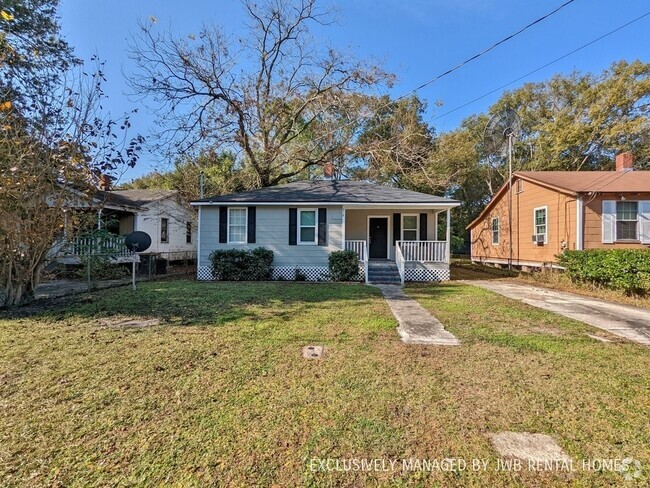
(251,224)
(322,226)
(293,226)
(397,227)
(223,224)
(423,227)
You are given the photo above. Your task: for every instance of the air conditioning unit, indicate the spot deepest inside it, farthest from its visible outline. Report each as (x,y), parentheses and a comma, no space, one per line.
(539,239)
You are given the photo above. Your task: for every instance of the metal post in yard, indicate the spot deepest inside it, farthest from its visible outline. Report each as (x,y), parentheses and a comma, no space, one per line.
(133,271)
(88,271)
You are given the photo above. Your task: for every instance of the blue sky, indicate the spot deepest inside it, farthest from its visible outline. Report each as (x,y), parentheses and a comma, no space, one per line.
(416,39)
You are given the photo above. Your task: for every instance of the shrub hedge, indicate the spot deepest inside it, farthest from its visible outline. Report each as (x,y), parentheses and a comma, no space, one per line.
(242,264)
(619,269)
(344,266)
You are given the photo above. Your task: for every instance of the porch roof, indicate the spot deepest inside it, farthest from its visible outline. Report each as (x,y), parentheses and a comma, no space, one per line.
(330,192)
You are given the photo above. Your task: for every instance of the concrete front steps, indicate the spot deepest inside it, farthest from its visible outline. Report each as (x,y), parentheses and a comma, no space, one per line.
(384,272)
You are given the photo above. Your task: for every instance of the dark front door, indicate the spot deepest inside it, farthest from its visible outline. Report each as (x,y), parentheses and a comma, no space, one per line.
(378,238)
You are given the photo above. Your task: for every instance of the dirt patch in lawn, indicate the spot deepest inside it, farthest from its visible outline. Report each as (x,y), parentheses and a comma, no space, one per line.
(528,447)
(123,322)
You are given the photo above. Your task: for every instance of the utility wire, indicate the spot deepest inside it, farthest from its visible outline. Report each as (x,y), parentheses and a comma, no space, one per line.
(463,63)
(485,51)
(542,67)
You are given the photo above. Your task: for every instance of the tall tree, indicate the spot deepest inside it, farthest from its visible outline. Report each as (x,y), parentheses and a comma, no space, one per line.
(54,140)
(570,122)
(263,96)
(581,120)
(218,171)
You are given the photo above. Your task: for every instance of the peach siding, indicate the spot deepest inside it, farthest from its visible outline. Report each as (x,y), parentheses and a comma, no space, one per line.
(561,223)
(593,223)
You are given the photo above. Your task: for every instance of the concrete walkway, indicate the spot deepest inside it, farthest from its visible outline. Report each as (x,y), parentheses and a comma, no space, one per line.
(628,322)
(416,325)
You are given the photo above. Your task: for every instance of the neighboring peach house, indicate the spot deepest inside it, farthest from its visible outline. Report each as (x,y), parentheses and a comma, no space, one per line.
(557,210)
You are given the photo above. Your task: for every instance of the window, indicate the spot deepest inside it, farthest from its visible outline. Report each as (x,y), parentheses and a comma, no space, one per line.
(164,230)
(627,220)
(409,227)
(307,226)
(519,186)
(237,225)
(540,222)
(495,231)
(188,232)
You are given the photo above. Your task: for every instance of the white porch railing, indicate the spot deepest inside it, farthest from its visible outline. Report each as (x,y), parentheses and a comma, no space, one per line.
(423,251)
(104,245)
(361,248)
(399,261)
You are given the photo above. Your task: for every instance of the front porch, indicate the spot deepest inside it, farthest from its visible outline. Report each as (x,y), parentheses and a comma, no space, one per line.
(404,245)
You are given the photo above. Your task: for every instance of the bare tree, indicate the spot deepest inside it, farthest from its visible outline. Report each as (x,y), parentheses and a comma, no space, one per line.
(49,162)
(265,96)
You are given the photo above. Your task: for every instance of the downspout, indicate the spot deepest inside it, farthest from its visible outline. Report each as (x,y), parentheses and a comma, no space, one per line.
(579,224)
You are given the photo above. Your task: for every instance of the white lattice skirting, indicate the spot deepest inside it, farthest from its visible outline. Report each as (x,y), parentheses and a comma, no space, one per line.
(300,273)
(288,273)
(426,275)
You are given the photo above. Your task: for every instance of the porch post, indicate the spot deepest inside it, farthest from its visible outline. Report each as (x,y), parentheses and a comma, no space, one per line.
(448,236)
(343,227)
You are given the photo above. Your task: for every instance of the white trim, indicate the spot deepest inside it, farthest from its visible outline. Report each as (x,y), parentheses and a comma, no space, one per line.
(417,227)
(498,219)
(198,242)
(380,205)
(299,227)
(448,236)
(579,224)
(388,232)
(545,208)
(228,241)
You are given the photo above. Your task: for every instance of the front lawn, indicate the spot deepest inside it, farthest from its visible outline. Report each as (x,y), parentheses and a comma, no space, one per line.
(218,393)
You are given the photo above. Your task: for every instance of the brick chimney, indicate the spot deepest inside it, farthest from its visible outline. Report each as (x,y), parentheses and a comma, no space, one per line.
(625,161)
(105,182)
(328,171)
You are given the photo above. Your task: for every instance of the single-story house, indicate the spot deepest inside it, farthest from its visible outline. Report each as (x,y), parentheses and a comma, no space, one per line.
(394,232)
(160,213)
(557,210)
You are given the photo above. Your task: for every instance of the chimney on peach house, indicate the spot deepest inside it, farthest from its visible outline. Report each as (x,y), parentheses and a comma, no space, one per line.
(625,161)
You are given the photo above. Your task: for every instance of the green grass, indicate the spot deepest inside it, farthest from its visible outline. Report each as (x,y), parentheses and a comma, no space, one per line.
(218,393)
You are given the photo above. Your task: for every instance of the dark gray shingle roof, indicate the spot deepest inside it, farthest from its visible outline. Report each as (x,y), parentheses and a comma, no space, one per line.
(334,191)
(133,198)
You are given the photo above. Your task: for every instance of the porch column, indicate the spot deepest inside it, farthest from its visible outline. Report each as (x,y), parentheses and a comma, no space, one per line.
(343,227)
(448,236)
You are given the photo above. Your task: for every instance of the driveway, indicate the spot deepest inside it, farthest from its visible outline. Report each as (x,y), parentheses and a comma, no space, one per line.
(628,322)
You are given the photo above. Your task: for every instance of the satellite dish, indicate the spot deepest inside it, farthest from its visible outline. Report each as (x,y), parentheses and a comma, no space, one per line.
(500,133)
(501,130)
(138,241)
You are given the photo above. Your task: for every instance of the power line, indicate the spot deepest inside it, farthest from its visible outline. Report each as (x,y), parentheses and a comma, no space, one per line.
(542,67)
(460,65)
(485,51)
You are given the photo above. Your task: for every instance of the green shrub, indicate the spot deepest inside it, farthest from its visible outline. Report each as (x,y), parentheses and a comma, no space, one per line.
(344,266)
(619,269)
(242,264)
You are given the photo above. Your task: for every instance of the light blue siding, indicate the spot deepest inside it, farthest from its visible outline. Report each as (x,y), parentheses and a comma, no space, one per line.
(273,233)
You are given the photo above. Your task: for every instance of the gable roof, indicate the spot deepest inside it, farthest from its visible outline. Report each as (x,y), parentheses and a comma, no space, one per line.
(575,183)
(591,181)
(133,198)
(329,191)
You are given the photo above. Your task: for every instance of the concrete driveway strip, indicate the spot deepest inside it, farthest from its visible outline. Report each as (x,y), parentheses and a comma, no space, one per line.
(416,325)
(628,322)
